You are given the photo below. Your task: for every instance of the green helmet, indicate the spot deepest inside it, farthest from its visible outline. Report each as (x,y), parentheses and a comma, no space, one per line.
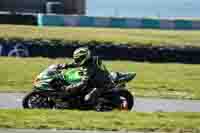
(81,55)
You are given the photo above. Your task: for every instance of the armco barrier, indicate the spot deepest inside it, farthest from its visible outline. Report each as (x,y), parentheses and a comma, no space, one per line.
(89,21)
(35,48)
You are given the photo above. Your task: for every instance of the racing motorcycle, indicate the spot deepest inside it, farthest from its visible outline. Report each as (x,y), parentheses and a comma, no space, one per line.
(48,98)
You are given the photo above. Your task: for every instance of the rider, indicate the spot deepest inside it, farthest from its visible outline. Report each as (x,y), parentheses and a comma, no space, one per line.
(94,75)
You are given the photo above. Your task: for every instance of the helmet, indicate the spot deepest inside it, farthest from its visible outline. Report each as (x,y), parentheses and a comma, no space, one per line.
(81,55)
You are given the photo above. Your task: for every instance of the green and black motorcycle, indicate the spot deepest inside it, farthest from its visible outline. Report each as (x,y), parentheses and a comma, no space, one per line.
(45,97)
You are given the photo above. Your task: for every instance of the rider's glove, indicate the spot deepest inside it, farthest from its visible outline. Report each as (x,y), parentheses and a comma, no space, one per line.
(62,66)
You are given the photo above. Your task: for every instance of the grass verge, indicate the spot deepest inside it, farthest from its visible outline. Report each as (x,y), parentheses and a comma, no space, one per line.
(167,80)
(61,119)
(117,36)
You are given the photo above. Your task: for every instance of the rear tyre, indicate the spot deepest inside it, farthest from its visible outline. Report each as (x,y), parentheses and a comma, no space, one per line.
(36,100)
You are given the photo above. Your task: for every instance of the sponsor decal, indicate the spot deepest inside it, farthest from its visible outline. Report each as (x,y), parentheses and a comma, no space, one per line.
(18,50)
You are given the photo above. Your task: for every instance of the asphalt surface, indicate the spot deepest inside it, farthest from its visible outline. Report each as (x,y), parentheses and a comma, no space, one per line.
(13,100)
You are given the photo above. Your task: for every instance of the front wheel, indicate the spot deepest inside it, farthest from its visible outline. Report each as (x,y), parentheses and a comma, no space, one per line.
(127,100)
(36,100)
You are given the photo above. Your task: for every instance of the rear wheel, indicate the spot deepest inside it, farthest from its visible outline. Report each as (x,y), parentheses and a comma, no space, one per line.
(119,99)
(36,100)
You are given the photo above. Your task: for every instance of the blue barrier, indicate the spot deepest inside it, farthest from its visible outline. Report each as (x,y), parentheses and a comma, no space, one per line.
(120,23)
(86,21)
(90,21)
(54,20)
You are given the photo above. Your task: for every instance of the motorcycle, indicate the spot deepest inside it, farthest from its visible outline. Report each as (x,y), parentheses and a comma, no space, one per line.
(47,98)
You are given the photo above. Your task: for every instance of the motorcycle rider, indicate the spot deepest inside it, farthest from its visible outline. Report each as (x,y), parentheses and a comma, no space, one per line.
(95,75)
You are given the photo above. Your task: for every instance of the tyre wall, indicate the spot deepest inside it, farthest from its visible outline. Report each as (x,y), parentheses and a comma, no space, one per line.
(18,19)
(56,48)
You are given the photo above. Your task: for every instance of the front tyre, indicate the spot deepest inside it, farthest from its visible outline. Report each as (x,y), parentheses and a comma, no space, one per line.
(36,100)
(127,100)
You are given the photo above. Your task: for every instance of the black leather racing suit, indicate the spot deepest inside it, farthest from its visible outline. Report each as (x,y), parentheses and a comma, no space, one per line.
(95,77)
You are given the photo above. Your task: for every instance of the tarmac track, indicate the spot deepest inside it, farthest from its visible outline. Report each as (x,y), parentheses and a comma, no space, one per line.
(13,100)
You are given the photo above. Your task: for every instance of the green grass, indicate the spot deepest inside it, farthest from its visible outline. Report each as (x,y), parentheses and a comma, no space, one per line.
(130,36)
(45,119)
(153,79)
